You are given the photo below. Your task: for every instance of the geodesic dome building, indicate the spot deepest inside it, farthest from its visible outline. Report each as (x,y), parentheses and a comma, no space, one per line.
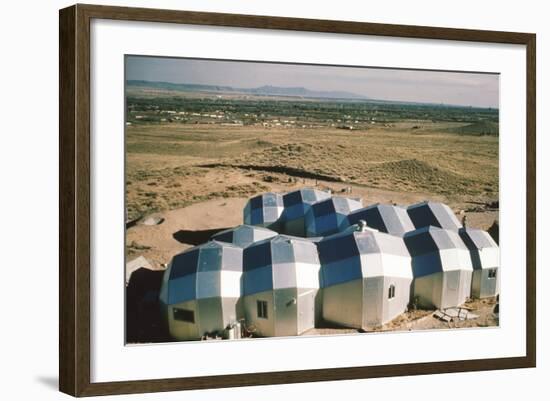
(366,277)
(435,214)
(442,267)
(296,204)
(484,253)
(389,219)
(329,216)
(244,235)
(281,285)
(201,290)
(264,210)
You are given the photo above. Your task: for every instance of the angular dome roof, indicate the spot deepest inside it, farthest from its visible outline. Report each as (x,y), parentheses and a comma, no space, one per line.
(244,235)
(197,273)
(329,216)
(357,254)
(390,219)
(263,210)
(435,214)
(280,262)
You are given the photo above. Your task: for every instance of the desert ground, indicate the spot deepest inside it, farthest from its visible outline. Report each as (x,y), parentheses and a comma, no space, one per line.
(196,176)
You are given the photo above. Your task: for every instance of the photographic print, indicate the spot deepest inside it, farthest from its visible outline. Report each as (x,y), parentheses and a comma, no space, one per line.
(277,199)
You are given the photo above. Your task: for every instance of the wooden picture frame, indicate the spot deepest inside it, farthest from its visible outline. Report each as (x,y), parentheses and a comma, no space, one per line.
(74,199)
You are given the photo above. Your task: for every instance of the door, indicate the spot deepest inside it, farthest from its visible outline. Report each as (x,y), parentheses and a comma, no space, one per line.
(306,311)
(451,297)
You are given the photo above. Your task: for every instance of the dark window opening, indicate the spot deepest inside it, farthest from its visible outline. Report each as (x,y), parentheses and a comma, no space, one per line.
(184,315)
(262,309)
(492,273)
(391,292)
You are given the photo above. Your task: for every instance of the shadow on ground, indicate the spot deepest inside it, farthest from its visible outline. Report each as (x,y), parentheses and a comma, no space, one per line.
(195,237)
(143,312)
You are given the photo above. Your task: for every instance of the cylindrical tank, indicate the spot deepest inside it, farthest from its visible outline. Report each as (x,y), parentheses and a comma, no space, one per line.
(237,330)
(232,331)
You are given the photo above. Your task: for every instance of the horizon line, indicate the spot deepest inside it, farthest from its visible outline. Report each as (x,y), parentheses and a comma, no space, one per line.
(360,98)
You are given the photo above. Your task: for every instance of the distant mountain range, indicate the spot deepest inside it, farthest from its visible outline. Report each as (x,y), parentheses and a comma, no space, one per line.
(266,90)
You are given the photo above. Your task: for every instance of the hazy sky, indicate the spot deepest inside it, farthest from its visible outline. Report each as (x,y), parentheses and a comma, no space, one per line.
(469,89)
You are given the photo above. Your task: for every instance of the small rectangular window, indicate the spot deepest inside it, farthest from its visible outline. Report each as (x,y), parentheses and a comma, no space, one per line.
(184,315)
(391,292)
(492,273)
(262,309)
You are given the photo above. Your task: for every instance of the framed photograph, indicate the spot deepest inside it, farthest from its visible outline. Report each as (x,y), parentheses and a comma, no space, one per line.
(250,200)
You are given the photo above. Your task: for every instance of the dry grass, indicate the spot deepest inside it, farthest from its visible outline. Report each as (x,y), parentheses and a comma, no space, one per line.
(175,165)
